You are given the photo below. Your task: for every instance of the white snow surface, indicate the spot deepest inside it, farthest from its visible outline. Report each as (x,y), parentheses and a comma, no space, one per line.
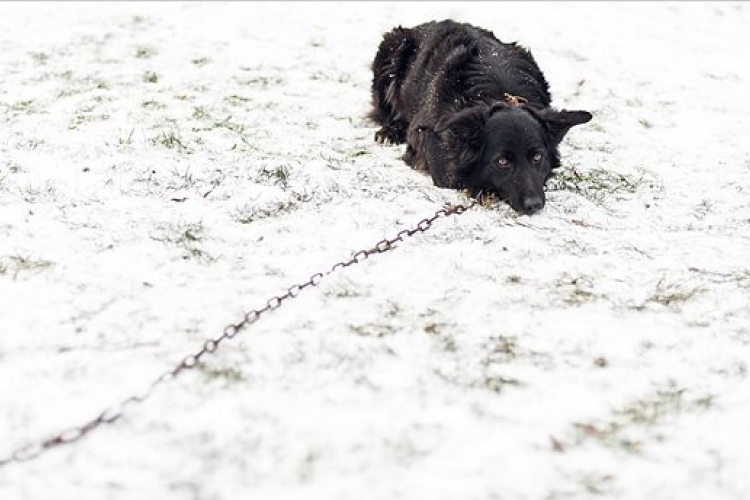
(166,167)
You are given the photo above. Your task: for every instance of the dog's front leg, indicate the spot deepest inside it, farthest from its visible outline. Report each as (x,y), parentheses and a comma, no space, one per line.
(435,156)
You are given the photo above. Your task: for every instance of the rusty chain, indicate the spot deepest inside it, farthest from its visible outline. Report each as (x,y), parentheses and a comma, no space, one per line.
(112,414)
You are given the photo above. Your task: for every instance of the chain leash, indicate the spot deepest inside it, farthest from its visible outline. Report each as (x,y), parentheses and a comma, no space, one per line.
(114,413)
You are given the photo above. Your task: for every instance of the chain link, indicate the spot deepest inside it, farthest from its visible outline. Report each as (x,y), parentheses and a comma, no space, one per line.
(113,414)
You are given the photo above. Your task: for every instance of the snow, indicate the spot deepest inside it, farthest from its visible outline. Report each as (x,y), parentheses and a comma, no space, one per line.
(165,167)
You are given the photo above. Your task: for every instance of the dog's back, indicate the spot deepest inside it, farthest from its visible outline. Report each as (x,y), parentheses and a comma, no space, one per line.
(441,67)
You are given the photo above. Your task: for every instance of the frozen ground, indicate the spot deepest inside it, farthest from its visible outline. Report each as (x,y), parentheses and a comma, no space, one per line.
(165,167)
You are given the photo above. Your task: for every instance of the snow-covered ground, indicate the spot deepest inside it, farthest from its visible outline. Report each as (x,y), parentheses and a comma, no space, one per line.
(165,167)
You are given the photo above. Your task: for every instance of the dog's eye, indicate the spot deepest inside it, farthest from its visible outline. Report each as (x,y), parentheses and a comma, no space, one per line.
(537,157)
(503,162)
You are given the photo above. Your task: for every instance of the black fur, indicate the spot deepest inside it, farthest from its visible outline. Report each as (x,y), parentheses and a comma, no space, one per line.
(440,88)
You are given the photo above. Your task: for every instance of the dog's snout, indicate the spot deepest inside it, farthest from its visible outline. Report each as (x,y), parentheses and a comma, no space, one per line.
(532,204)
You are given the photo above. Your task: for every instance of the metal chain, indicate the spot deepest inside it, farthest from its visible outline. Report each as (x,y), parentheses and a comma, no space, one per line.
(112,414)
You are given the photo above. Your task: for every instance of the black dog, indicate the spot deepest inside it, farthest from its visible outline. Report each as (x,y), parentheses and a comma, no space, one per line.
(474,111)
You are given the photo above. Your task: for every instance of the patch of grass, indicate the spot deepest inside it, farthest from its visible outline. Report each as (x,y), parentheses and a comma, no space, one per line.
(704,208)
(653,410)
(170,139)
(277,175)
(342,292)
(151,104)
(188,238)
(331,161)
(38,193)
(150,77)
(126,139)
(68,92)
(609,434)
(228,374)
(199,112)
(260,81)
(248,215)
(498,383)
(669,294)
(138,19)
(227,123)
(149,177)
(145,52)
(216,179)
(200,61)
(741,277)
(597,184)
(23,107)
(82,118)
(181,180)
(375,330)
(434,328)
(447,343)
(330,76)
(577,289)
(65,75)
(82,86)
(392,309)
(500,349)
(30,143)
(39,57)
(597,483)
(15,168)
(15,264)
(236,100)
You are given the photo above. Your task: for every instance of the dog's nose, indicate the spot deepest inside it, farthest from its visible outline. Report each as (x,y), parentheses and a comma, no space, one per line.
(532,204)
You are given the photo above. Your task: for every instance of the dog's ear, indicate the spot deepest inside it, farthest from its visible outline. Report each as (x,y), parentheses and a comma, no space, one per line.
(559,122)
(462,134)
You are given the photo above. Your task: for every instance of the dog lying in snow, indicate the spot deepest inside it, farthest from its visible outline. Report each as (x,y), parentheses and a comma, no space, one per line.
(474,111)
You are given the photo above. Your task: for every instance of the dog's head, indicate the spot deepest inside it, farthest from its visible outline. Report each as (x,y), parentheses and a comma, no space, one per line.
(506,149)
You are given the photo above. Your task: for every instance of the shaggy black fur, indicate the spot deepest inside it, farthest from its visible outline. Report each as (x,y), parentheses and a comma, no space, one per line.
(440,88)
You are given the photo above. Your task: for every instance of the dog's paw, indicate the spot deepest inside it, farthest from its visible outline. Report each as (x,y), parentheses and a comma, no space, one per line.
(381,136)
(390,134)
(384,136)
